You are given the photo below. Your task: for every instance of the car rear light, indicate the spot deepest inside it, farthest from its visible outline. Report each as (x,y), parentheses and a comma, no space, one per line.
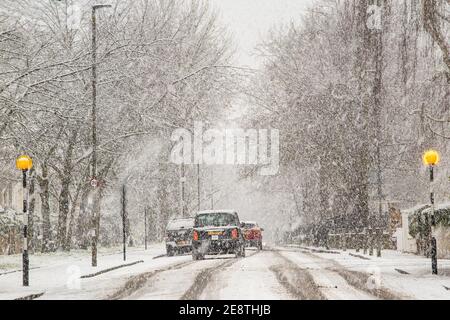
(234,233)
(195,236)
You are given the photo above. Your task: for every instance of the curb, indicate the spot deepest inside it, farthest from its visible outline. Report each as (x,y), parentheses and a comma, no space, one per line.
(110,269)
(31,296)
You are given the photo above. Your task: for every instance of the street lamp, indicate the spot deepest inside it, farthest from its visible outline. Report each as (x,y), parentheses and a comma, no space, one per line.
(24,163)
(431,159)
(94,122)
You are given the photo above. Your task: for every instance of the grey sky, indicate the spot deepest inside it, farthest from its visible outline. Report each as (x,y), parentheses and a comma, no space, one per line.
(249,21)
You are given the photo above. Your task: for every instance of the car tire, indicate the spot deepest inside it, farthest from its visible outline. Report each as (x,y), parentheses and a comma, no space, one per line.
(170,252)
(240,253)
(260,246)
(197,256)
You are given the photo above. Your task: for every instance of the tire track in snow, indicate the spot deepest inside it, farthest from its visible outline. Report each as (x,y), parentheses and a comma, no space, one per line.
(203,279)
(137,282)
(357,279)
(173,283)
(330,282)
(252,278)
(297,281)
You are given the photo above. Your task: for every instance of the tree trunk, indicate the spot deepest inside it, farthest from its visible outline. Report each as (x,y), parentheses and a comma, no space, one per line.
(75,204)
(45,208)
(362,160)
(432,24)
(82,225)
(63,212)
(64,199)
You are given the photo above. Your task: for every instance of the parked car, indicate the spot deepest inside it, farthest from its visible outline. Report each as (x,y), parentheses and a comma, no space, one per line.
(217,232)
(252,234)
(179,236)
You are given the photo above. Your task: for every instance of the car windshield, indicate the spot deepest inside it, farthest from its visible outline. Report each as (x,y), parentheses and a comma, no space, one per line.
(180,224)
(249,225)
(215,220)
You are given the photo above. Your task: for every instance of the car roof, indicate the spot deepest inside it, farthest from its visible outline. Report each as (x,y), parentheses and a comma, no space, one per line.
(180,223)
(250,222)
(178,219)
(216,211)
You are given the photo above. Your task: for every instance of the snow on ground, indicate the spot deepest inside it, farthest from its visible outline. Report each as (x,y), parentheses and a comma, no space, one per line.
(173,284)
(247,279)
(58,274)
(331,284)
(419,283)
(224,277)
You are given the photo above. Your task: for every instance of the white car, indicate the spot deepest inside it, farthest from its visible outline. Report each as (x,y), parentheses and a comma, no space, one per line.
(179,236)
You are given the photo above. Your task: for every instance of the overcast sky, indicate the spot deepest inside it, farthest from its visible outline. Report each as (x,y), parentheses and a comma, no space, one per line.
(249,21)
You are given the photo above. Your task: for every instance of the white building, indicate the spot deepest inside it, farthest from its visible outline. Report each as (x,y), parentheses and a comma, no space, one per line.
(406,242)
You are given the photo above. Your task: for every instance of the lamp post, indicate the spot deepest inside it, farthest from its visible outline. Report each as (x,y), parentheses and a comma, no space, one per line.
(94,122)
(431,159)
(24,163)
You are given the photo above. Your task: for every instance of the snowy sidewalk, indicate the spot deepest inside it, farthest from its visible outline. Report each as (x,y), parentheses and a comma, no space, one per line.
(407,275)
(60,275)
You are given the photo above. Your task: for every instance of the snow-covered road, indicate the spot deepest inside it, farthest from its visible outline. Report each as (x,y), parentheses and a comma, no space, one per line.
(275,273)
(247,279)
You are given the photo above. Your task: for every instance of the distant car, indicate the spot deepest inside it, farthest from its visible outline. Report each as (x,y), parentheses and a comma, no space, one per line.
(179,236)
(217,232)
(252,234)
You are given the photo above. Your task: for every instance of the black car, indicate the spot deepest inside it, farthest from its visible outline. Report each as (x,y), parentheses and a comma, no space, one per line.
(217,232)
(179,236)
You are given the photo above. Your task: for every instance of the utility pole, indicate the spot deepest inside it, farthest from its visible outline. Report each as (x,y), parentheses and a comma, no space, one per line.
(182,190)
(94,92)
(124,223)
(212,188)
(198,187)
(95,219)
(377,87)
(145,227)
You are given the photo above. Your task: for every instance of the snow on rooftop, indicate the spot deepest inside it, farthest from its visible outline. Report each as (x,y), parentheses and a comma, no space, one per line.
(414,209)
(440,206)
